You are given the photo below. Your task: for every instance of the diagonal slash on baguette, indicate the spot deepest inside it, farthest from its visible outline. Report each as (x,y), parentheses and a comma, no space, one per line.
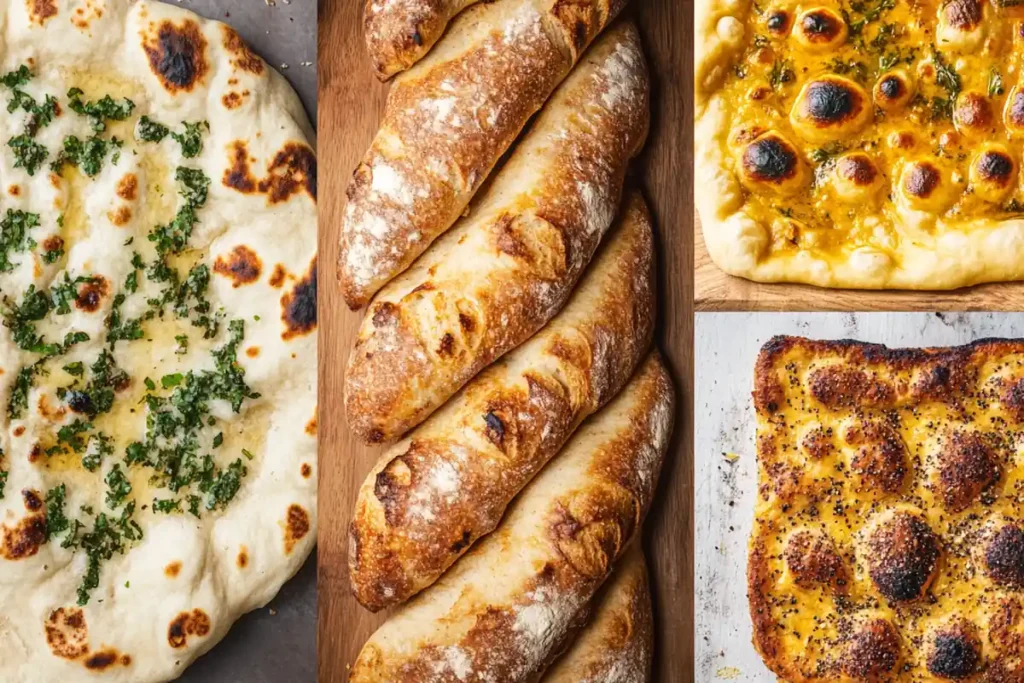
(400,32)
(499,275)
(617,644)
(447,122)
(433,494)
(508,608)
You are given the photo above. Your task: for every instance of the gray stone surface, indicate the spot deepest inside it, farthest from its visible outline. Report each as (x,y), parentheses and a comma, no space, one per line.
(275,644)
(725,347)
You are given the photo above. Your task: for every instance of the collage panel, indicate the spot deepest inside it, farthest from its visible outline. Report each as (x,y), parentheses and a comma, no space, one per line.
(505,418)
(158,343)
(859,476)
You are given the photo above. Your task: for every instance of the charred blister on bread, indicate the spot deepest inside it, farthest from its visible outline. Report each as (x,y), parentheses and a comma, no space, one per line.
(830,108)
(902,556)
(961,25)
(820,30)
(894,90)
(954,650)
(872,650)
(974,116)
(993,174)
(771,162)
(857,178)
(926,185)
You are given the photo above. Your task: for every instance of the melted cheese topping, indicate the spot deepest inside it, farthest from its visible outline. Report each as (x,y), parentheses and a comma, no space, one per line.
(923,41)
(823,493)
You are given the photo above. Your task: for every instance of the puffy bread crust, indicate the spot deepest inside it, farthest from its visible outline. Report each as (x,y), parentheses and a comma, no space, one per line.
(1002,555)
(144,622)
(965,467)
(974,116)
(993,173)
(492,437)
(509,266)
(894,90)
(961,25)
(873,650)
(820,30)
(447,122)
(856,178)
(617,644)
(926,185)
(953,650)
(830,108)
(772,163)
(812,558)
(508,608)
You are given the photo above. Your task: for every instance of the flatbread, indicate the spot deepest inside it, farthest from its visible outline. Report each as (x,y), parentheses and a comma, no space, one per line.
(205,385)
(868,145)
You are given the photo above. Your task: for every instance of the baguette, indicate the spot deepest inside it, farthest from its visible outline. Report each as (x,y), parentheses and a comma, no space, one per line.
(447,122)
(398,33)
(617,645)
(503,272)
(510,607)
(488,442)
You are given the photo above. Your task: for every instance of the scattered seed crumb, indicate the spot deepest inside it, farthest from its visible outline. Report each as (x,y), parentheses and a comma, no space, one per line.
(728,673)
(283,66)
(273,612)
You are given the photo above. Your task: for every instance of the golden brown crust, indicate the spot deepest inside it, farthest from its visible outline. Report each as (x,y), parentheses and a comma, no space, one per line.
(508,608)
(893,467)
(492,437)
(448,121)
(502,272)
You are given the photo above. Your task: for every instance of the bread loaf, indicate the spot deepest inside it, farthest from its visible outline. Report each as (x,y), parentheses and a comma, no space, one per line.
(399,32)
(509,607)
(434,493)
(504,271)
(617,643)
(447,122)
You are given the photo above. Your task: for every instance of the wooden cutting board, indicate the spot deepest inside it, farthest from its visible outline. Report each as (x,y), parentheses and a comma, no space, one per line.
(351,102)
(716,291)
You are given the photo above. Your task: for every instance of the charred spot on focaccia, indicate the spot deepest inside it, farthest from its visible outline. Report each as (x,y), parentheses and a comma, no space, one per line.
(80,402)
(177,55)
(836,386)
(996,166)
(277,276)
(127,187)
(234,99)
(813,559)
(778,22)
(962,15)
(172,569)
(41,10)
(299,306)
(1014,114)
(973,114)
(817,443)
(53,244)
(772,161)
(881,457)
(311,426)
(923,183)
(32,501)
(306,470)
(893,91)
(993,173)
(194,623)
(24,539)
(857,178)
(902,557)
(238,176)
(830,108)
(244,59)
(242,266)
(873,650)
(967,466)
(955,651)
(1004,557)
(120,216)
(91,293)
(243,558)
(296,526)
(1012,398)
(66,633)
(820,29)
(293,170)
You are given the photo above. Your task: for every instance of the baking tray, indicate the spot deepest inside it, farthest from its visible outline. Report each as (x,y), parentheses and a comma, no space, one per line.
(725,459)
(277,643)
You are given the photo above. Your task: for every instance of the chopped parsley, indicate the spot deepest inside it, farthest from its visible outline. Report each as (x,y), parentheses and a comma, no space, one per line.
(28,154)
(100,111)
(18,401)
(166,505)
(3,481)
(108,537)
(118,486)
(191,140)
(56,521)
(995,83)
(70,435)
(87,155)
(149,130)
(16,78)
(949,80)
(100,447)
(40,115)
(172,237)
(14,235)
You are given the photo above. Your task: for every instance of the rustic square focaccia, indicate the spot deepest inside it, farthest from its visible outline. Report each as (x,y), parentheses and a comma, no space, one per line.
(158,341)
(861,143)
(888,540)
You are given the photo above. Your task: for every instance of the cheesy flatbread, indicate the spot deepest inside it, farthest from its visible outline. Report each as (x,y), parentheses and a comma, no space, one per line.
(863,143)
(158,349)
(888,541)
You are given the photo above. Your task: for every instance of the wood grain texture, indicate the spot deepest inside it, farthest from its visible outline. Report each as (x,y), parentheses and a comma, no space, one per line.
(716,291)
(351,103)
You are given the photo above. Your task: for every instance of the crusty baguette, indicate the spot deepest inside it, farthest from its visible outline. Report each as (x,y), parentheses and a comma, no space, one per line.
(447,122)
(399,32)
(435,493)
(507,609)
(504,271)
(617,643)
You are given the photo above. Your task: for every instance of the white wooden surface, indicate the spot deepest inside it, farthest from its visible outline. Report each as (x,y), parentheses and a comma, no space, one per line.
(726,345)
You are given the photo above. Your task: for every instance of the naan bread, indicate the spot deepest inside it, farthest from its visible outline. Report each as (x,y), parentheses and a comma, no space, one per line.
(158,353)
